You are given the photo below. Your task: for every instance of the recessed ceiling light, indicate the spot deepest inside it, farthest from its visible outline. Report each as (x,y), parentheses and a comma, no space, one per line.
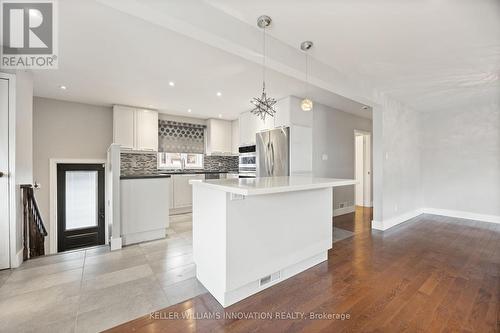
(63,87)
(219,94)
(365,107)
(171,83)
(189,110)
(220,116)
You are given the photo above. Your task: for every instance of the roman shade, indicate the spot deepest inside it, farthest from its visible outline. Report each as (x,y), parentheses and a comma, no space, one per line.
(178,137)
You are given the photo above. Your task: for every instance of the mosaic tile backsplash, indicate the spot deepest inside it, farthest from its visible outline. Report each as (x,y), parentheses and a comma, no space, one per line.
(140,163)
(221,163)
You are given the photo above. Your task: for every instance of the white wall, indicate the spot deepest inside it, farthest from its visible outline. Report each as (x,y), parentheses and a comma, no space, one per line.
(397,191)
(24,144)
(333,135)
(461,160)
(66,130)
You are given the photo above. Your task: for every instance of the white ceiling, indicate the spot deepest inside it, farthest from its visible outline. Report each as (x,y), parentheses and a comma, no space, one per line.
(108,57)
(430,54)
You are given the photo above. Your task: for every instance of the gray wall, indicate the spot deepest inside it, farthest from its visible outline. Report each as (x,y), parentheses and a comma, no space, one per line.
(461,159)
(66,130)
(333,134)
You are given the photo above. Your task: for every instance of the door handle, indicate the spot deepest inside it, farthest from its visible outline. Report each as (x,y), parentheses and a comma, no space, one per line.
(1,174)
(272,159)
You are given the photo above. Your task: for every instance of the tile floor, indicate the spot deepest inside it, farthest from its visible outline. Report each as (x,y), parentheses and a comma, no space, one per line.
(95,289)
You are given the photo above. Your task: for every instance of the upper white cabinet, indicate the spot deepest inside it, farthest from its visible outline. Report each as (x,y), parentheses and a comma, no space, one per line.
(123,127)
(235,136)
(250,124)
(135,129)
(219,137)
(147,130)
(247,130)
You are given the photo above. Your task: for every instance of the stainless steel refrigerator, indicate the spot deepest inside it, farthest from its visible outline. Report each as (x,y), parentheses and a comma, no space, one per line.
(273,152)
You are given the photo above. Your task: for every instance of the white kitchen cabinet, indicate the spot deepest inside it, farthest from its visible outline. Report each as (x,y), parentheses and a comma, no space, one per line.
(135,129)
(247,129)
(124,127)
(147,130)
(144,209)
(235,136)
(219,137)
(250,125)
(263,125)
(232,176)
(183,192)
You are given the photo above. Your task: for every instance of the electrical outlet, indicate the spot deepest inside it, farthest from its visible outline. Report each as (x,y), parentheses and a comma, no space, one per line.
(341,205)
(324,157)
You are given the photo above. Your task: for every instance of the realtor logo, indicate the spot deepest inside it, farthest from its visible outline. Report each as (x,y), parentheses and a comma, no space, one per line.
(28,35)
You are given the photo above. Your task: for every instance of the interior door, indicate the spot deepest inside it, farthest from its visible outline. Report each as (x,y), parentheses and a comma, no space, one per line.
(80,206)
(4,180)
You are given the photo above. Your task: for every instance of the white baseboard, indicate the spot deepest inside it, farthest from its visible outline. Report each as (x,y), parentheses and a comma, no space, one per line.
(389,223)
(116,243)
(384,225)
(462,215)
(344,210)
(17,260)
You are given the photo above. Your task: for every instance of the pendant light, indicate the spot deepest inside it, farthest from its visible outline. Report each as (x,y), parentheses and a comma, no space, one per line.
(263,105)
(306,104)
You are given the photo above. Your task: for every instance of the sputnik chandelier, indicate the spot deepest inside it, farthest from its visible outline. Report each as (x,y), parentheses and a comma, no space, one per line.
(264,105)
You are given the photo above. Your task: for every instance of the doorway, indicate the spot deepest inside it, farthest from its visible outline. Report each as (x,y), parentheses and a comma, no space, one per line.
(363,172)
(80,206)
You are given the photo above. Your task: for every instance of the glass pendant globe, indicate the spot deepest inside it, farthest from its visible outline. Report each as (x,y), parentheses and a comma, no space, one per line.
(306,104)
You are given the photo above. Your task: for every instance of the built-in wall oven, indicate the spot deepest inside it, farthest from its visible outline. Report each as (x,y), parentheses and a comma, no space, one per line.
(247,166)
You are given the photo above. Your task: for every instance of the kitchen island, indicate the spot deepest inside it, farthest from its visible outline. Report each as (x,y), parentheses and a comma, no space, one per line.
(249,234)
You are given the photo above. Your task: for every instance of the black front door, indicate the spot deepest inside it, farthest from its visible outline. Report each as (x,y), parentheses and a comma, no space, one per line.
(80,206)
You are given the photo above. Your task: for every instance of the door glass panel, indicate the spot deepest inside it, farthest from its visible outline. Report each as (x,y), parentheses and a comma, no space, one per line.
(81,199)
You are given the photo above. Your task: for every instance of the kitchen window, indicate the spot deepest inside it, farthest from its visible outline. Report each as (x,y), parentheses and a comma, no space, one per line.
(180,161)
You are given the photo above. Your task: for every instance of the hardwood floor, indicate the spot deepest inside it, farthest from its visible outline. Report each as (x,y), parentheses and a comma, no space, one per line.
(433,274)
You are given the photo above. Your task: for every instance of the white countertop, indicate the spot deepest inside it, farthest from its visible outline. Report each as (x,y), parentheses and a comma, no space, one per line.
(268,185)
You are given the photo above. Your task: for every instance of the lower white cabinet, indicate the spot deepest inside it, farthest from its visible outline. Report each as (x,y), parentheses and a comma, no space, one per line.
(182,190)
(144,214)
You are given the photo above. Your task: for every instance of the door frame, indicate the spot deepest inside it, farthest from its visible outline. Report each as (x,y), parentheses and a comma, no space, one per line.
(14,259)
(53,162)
(367,161)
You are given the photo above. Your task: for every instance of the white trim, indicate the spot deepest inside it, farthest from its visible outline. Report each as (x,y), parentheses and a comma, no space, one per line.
(11,173)
(384,225)
(343,210)
(367,167)
(116,243)
(462,215)
(53,162)
(18,259)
